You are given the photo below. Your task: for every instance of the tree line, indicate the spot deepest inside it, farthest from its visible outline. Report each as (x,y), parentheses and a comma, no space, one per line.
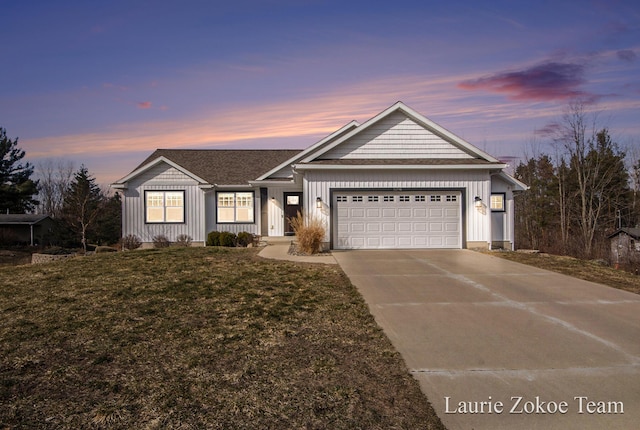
(580,192)
(84,213)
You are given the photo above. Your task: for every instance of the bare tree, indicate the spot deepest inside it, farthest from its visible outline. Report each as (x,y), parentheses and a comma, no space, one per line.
(55,176)
(595,166)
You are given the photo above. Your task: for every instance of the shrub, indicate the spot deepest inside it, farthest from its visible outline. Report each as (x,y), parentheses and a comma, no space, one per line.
(309,232)
(161,241)
(183,240)
(244,239)
(227,239)
(213,238)
(131,241)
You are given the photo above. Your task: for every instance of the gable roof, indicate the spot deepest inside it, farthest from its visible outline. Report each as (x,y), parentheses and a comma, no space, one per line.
(216,166)
(22,219)
(336,134)
(633,232)
(427,124)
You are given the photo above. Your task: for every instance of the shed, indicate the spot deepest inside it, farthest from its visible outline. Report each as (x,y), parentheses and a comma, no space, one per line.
(625,247)
(25,228)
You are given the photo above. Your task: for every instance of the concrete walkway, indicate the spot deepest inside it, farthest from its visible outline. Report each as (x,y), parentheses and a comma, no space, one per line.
(278,249)
(500,345)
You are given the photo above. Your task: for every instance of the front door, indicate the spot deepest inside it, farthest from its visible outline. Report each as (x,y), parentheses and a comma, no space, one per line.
(292,205)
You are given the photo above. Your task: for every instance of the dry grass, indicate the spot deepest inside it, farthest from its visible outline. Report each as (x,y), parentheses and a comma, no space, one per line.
(310,232)
(582,269)
(196,338)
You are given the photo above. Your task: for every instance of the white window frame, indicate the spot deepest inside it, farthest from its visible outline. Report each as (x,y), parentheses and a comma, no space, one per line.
(235,207)
(497,202)
(164,207)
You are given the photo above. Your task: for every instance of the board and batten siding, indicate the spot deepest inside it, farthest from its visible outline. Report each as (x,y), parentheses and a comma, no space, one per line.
(476,222)
(396,137)
(163,178)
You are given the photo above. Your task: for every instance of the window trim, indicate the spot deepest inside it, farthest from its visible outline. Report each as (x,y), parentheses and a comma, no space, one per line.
(235,206)
(164,207)
(503,199)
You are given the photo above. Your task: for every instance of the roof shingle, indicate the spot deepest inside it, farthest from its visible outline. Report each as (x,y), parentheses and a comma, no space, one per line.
(222,166)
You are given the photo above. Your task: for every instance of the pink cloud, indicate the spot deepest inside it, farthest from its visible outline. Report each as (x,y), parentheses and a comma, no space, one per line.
(543,82)
(144,105)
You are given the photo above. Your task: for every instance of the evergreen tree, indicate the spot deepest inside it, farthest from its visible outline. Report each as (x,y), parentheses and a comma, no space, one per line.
(82,205)
(108,225)
(17,190)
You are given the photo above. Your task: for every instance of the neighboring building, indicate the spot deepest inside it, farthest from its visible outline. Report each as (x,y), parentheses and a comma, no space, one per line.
(396,181)
(26,229)
(625,247)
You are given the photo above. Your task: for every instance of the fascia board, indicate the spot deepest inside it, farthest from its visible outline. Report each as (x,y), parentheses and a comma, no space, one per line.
(508,178)
(162,159)
(262,183)
(311,149)
(303,167)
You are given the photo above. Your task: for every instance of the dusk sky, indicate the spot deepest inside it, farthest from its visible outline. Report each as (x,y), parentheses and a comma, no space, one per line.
(105,83)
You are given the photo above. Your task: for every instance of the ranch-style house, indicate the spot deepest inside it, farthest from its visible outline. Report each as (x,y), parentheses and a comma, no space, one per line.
(397,180)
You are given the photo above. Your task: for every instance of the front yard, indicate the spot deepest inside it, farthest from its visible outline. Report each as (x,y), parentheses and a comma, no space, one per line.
(196,338)
(582,269)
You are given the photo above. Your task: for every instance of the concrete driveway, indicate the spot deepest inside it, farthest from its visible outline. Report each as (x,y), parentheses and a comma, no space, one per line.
(500,345)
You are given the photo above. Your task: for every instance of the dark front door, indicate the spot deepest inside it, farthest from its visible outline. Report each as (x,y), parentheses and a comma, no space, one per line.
(292,205)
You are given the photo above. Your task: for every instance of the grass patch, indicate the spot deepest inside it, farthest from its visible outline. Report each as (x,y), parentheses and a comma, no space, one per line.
(196,338)
(581,269)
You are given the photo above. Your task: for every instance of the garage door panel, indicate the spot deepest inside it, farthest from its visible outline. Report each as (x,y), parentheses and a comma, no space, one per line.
(407,219)
(357,213)
(404,213)
(389,213)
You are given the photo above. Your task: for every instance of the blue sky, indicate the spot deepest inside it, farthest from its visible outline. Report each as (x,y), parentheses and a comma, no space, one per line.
(105,83)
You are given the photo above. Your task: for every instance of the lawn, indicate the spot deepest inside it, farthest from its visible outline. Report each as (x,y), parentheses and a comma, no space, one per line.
(196,338)
(588,270)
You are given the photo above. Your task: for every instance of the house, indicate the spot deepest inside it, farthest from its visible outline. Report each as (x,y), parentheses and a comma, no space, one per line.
(25,228)
(625,247)
(397,180)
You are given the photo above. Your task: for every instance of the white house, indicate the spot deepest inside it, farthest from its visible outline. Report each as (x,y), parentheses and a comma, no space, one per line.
(397,180)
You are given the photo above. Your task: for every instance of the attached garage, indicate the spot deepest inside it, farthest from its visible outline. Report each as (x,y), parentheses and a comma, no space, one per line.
(397,219)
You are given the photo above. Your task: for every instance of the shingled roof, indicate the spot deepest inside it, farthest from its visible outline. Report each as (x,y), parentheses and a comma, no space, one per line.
(225,166)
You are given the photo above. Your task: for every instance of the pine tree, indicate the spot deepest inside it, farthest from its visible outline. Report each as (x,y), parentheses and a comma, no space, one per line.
(82,204)
(17,190)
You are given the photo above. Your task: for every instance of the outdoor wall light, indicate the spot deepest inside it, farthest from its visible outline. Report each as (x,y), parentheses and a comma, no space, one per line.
(478,202)
(318,202)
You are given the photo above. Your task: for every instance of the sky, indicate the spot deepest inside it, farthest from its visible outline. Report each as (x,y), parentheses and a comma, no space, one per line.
(104,83)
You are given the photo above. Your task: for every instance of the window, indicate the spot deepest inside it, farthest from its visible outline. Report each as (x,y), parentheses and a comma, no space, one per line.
(452,198)
(341,198)
(497,202)
(420,198)
(356,199)
(372,198)
(405,198)
(235,207)
(164,206)
(388,199)
(434,198)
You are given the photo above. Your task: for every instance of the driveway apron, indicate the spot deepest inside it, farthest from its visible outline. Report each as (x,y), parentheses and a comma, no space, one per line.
(500,345)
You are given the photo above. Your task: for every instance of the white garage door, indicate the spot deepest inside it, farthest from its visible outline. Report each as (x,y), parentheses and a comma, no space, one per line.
(398,219)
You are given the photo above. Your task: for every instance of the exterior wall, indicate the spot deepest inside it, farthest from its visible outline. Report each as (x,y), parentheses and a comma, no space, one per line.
(476,222)
(395,136)
(276,208)
(503,223)
(163,178)
(625,251)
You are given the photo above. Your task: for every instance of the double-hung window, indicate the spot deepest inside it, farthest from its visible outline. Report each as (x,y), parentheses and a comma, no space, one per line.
(235,207)
(164,206)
